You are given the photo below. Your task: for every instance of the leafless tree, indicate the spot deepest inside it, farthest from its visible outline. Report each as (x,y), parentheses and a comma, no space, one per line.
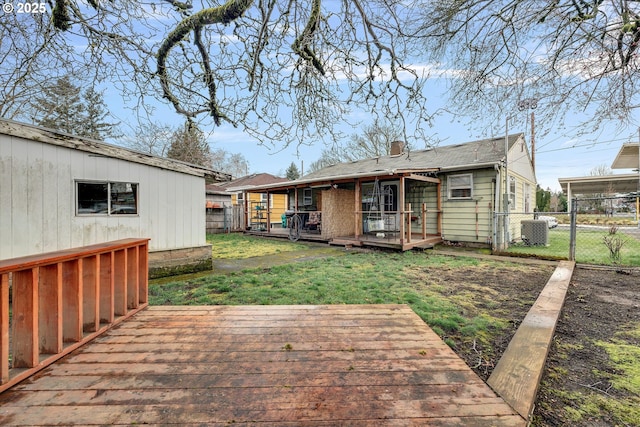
(567,55)
(374,141)
(281,70)
(152,138)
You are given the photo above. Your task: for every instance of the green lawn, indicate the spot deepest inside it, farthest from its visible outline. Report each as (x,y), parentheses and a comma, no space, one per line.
(450,308)
(238,246)
(590,247)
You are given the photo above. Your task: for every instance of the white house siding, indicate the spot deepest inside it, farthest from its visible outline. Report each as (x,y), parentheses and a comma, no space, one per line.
(459,216)
(37,201)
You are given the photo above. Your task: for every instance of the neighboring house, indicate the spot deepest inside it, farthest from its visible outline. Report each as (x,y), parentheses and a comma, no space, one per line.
(261,211)
(416,198)
(59,191)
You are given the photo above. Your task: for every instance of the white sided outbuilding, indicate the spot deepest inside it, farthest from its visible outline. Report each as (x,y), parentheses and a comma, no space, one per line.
(58,191)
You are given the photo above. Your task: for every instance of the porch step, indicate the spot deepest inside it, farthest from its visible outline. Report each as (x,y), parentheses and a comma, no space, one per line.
(345,242)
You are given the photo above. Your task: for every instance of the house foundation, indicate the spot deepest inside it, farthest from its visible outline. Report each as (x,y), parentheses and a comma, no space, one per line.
(180,261)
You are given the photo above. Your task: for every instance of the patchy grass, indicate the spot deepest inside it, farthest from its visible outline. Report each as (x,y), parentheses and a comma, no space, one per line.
(239,246)
(590,247)
(461,311)
(624,356)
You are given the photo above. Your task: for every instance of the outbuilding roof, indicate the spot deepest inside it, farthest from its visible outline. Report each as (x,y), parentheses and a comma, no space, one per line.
(61,139)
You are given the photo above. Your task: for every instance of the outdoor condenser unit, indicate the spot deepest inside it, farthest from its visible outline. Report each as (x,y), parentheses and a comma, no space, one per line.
(535,232)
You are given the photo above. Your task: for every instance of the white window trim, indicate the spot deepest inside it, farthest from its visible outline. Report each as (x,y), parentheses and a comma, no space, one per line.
(450,187)
(513,185)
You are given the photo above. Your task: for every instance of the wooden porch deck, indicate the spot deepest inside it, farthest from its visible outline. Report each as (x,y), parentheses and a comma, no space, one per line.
(389,240)
(377,365)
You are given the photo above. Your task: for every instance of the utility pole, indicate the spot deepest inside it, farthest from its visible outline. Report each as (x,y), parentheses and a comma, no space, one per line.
(533,142)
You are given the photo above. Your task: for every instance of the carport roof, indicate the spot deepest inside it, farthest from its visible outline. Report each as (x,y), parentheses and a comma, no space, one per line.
(627,158)
(620,183)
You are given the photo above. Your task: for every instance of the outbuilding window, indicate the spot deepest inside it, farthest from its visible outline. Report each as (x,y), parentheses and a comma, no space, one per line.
(460,186)
(106,198)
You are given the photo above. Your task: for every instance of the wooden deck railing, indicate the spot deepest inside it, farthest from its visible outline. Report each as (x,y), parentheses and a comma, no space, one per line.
(61,300)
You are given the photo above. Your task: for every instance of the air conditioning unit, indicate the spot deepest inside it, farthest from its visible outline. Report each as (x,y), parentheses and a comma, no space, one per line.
(535,232)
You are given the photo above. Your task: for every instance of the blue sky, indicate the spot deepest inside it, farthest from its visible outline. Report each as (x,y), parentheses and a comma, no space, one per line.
(558,154)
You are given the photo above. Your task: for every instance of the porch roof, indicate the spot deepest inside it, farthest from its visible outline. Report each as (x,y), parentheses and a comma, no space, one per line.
(471,155)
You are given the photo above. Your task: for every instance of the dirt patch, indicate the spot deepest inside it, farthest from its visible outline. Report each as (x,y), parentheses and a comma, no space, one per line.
(581,382)
(577,388)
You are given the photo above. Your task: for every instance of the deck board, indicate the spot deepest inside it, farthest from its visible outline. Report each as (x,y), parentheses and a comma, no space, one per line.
(261,365)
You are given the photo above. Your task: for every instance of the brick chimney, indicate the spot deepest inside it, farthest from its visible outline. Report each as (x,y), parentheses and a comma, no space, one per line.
(397,147)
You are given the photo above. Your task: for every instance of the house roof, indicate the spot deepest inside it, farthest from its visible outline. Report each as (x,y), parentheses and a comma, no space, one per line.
(249,181)
(467,156)
(628,157)
(216,189)
(61,139)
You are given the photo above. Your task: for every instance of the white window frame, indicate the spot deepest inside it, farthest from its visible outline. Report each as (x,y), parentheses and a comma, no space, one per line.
(451,186)
(307,196)
(526,190)
(512,192)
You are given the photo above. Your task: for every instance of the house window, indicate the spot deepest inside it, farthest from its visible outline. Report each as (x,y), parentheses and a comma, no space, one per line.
(106,198)
(240,196)
(307,199)
(512,193)
(390,202)
(460,186)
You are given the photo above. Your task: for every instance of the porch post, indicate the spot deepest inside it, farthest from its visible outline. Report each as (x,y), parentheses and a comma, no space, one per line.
(409,212)
(356,210)
(268,212)
(402,212)
(439,207)
(424,220)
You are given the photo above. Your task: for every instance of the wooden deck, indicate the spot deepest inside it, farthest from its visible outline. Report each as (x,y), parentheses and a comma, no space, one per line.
(377,365)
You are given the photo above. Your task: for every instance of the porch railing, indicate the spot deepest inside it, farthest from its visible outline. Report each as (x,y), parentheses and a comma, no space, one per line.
(61,300)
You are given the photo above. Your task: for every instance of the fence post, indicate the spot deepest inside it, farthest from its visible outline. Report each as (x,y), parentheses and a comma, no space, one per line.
(572,230)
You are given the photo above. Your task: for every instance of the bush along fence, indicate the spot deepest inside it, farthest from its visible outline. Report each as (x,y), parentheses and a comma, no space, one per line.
(608,235)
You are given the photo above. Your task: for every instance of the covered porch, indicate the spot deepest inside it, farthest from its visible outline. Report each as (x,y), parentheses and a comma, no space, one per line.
(400,210)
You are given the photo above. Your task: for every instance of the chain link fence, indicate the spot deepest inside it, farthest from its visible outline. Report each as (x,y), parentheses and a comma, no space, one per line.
(599,231)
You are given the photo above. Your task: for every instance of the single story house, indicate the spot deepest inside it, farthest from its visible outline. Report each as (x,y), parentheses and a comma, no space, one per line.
(59,191)
(255,203)
(457,193)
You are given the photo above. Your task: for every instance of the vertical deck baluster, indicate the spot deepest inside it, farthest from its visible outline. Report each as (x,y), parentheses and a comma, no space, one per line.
(72,300)
(4,328)
(91,289)
(25,318)
(120,282)
(132,278)
(50,303)
(143,273)
(106,288)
